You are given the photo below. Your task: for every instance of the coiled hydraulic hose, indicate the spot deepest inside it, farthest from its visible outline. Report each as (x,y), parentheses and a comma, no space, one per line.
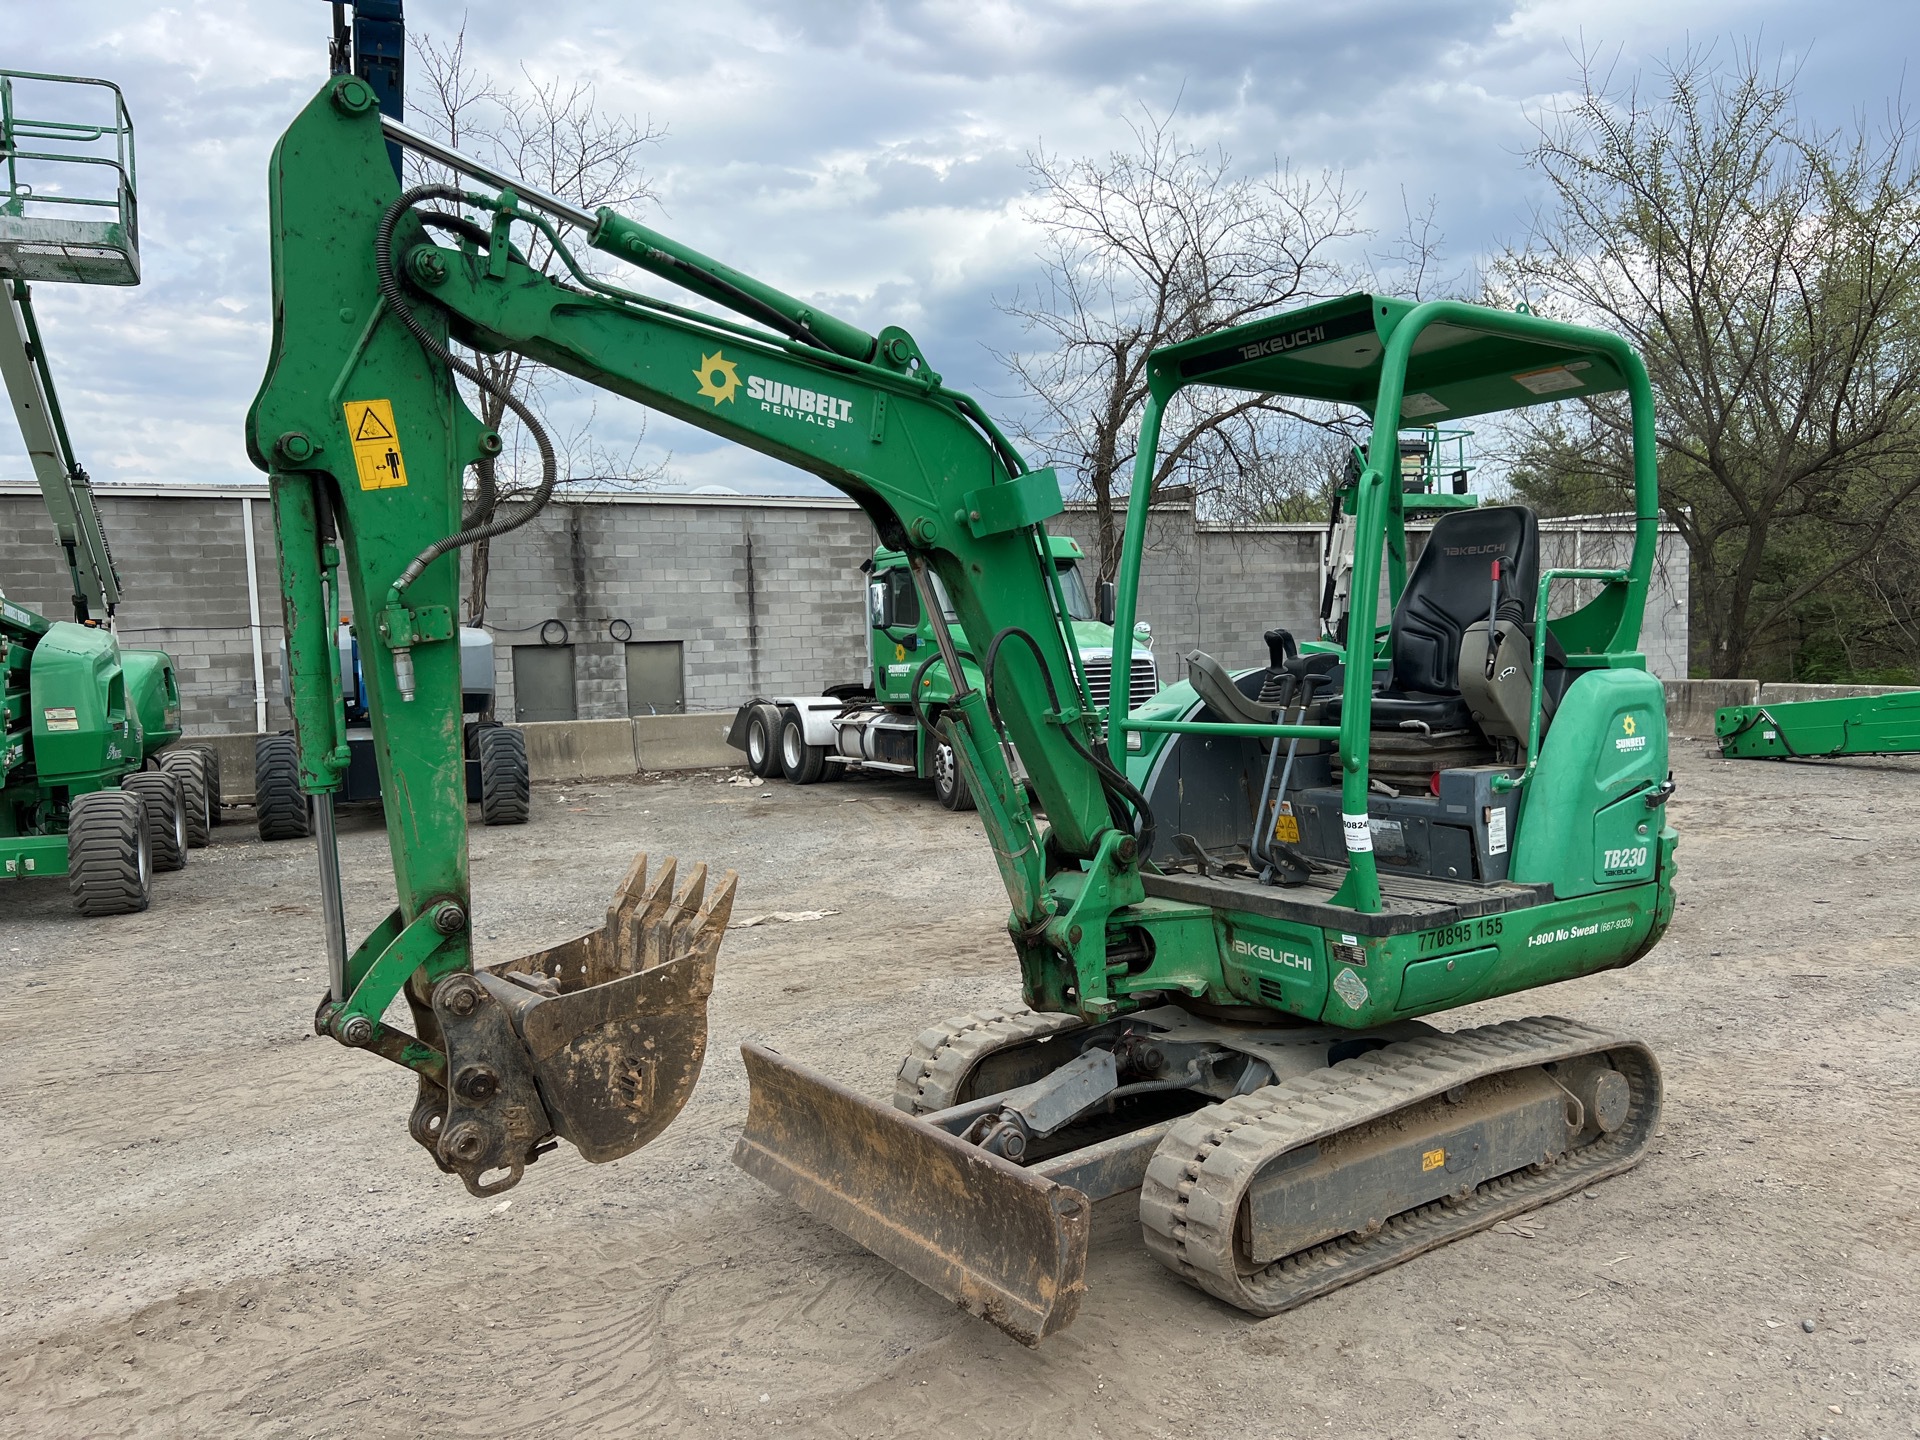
(390,291)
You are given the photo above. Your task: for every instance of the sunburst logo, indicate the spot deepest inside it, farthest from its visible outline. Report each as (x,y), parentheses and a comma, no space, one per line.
(718,378)
(1627,725)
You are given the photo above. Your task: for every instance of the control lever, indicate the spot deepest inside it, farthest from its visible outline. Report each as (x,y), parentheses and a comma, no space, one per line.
(1493,619)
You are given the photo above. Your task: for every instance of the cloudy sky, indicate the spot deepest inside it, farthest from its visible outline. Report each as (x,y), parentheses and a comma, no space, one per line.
(870,156)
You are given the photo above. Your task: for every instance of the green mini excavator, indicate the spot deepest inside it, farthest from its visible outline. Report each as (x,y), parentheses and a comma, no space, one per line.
(1234,907)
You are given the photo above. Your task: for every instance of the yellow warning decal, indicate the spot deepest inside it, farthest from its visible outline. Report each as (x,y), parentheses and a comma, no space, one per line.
(376,444)
(1286,826)
(1433,1160)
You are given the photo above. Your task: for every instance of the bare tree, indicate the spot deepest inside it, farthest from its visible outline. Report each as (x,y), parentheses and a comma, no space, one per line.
(1410,265)
(551,133)
(1769,273)
(1145,248)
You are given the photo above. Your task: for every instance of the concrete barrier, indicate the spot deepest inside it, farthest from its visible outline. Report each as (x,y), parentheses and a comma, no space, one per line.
(556,749)
(1778,693)
(684,742)
(1691,703)
(236,765)
(579,749)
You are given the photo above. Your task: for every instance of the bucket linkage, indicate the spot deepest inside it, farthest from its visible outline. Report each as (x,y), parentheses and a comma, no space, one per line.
(597,1041)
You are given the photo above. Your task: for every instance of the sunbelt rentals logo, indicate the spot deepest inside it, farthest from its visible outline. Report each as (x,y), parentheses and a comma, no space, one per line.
(720,380)
(1627,739)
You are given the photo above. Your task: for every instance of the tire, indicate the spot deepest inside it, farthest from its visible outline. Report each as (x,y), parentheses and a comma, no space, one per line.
(763,741)
(214,798)
(191,767)
(166,805)
(950,786)
(506,791)
(283,811)
(109,853)
(801,763)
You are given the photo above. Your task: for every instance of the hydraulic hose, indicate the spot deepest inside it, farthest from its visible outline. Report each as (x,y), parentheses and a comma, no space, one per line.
(913,692)
(390,291)
(1113,784)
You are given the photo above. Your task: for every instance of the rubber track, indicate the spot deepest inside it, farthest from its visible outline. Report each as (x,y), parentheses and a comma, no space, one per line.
(1191,1200)
(943,1056)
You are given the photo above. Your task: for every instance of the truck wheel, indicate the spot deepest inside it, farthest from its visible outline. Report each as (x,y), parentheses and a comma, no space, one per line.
(191,767)
(109,853)
(283,811)
(214,799)
(763,741)
(800,762)
(950,786)
(166,816)
(506,792)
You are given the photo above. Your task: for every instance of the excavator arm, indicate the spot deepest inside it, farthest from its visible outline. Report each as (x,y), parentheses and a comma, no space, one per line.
(363,430)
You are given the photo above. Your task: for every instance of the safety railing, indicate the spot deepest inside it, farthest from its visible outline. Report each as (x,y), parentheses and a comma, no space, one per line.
(69,207)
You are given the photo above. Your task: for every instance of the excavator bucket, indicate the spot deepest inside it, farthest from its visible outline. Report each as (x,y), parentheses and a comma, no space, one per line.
(615,1021)
(999,1241)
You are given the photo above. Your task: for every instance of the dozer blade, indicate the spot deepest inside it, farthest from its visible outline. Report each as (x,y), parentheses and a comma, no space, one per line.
(999,1241)
(615,1021)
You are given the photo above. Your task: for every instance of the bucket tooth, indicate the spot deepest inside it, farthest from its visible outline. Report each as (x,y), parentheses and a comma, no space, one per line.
(615,1021)
(1000,1242)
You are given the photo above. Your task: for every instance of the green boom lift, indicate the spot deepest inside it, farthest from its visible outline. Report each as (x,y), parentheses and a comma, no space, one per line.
(93,784)
(1235,1036)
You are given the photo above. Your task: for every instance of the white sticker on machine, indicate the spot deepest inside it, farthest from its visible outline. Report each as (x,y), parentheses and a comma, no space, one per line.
(1359,832)
(1552,380)
(61,717)
(1496,829)
(1350,988)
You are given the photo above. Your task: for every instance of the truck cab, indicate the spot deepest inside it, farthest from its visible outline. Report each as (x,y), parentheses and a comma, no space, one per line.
(889,722)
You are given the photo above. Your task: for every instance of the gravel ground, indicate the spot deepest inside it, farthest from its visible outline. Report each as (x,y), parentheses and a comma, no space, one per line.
(216,1224)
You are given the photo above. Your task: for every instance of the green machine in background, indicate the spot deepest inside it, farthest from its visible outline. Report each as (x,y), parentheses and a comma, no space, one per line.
(1223,1013)
(1821,729)
(93,782)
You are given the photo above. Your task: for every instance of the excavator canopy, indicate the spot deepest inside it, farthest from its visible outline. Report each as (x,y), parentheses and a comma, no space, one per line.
(1333,351)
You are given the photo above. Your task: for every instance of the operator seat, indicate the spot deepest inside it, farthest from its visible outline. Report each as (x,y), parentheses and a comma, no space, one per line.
(1451,588)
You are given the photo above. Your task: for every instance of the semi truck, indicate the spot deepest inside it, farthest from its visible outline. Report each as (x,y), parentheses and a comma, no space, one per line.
(890,722)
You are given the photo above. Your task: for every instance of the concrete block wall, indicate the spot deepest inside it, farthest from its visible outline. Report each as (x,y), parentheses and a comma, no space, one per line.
(764,594)
(183,574)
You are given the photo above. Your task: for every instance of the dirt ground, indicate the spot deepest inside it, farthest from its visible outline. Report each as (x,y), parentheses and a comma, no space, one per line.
(216,1224)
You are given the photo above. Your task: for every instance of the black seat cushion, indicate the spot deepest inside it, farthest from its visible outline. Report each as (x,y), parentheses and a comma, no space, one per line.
(1451,588)
(1439,713)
